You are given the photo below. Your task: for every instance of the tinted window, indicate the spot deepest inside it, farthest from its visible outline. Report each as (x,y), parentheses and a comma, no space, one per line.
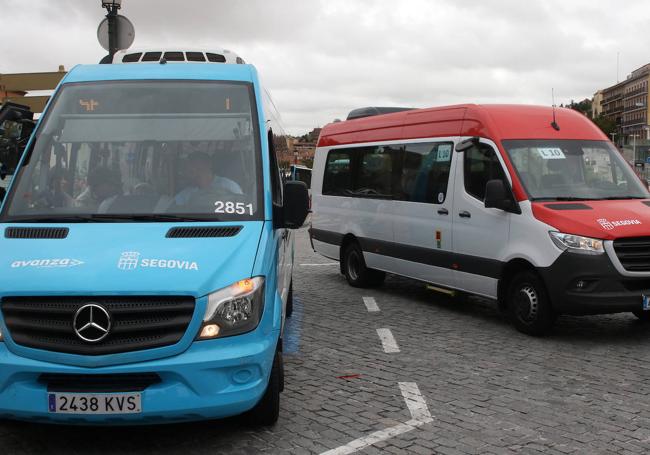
(276,181)
(425,172)
(195,56)
(303,175)
(376,170)
(338,173)
(480,166)
(408,172)
(151,56)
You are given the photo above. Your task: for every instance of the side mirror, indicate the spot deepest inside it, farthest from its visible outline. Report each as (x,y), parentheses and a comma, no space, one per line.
(3,171)
(3,193)
(295,204)
(498,197)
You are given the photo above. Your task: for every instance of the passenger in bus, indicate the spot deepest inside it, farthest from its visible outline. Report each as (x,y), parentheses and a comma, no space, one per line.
(198,171)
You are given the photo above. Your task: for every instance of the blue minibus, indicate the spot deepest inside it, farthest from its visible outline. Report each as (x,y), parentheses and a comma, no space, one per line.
(146,251)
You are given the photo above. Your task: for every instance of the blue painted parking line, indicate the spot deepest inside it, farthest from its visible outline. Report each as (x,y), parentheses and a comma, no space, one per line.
(293,328)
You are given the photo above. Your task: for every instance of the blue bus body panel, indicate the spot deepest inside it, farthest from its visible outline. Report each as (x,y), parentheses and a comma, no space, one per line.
(95,252)
(200,380)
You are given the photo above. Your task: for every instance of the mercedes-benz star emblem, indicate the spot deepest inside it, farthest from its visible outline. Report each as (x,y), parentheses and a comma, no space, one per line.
(92,323)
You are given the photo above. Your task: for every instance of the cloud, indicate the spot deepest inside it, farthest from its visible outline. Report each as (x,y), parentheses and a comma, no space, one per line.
(322,58)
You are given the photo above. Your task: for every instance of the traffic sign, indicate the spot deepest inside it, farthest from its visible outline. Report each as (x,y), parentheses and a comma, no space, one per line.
(125,33)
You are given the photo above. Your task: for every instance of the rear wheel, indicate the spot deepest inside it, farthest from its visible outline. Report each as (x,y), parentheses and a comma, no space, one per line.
(644,316)
(529,306)
(355,270)
(267,411)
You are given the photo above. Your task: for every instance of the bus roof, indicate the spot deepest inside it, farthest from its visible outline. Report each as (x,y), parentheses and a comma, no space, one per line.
(158,71)
(494,121)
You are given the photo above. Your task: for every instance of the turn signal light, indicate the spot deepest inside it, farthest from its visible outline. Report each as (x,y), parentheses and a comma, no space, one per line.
(245,286)
(209,331)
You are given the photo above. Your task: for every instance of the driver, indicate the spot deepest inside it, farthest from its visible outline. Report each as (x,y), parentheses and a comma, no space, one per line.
(104,185)
(198,171)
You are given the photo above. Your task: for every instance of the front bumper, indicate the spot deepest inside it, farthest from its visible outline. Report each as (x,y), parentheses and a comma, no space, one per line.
(212,379)
(603,288)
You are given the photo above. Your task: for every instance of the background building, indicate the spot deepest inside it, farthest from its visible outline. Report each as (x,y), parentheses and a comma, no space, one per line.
(19,88)
(597,104)
(626,105)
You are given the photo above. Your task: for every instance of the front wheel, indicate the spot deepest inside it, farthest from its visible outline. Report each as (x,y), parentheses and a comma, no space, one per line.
(529,306)
(355,270)
(267,411)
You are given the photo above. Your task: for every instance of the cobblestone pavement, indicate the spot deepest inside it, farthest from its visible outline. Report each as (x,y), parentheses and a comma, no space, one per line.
(489,389)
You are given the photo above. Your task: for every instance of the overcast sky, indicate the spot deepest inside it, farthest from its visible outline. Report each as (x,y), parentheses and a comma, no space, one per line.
(322,58)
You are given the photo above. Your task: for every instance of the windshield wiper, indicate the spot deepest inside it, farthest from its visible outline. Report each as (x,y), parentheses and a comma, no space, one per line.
(613,198)
(51,219)
(560,198)
(107,218)
(154,217)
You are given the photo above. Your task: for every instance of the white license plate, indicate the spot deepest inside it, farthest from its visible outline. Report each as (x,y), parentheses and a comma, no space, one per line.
(85,403)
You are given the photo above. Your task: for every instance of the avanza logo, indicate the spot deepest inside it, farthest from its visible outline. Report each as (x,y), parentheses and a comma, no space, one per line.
(130,260)
(609,225)
(47,263)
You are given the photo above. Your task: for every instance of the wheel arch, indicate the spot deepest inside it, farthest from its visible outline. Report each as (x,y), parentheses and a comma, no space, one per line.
(347,240)
(510,270)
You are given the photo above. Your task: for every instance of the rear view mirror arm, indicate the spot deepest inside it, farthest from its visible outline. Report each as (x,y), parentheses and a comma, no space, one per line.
(467,144)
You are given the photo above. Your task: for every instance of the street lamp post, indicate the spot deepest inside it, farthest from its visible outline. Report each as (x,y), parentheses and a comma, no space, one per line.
(112,7)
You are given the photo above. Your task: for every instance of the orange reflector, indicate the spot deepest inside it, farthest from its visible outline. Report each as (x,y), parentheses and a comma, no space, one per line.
(209,331)
(245,286)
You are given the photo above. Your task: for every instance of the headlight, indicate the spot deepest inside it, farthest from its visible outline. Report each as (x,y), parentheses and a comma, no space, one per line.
(576,243)
(233,310)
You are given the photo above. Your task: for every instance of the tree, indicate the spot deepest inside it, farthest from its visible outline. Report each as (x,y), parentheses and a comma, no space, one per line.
(583,106)
(606,124)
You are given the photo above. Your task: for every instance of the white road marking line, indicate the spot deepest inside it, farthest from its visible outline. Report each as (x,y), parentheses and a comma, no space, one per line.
(388,341)
(315,265)
(419,413)
(371,304)
(415,401)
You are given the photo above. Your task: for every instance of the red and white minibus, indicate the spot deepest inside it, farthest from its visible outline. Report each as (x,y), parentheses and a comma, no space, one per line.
(528,205)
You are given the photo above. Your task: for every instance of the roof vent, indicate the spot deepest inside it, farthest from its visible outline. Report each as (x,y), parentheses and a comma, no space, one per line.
(178,56)
(372,111)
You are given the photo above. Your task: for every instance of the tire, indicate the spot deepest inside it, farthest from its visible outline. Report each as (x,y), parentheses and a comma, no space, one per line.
(643,316)
(289,310)
(529,306)
(267,411)
(355,270)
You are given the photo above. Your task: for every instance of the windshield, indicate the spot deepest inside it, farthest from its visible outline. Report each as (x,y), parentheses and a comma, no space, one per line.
(143,150)
(573,170)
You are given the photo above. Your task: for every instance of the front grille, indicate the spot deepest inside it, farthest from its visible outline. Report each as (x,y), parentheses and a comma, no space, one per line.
(633,253)
(137,323)
(98,383)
